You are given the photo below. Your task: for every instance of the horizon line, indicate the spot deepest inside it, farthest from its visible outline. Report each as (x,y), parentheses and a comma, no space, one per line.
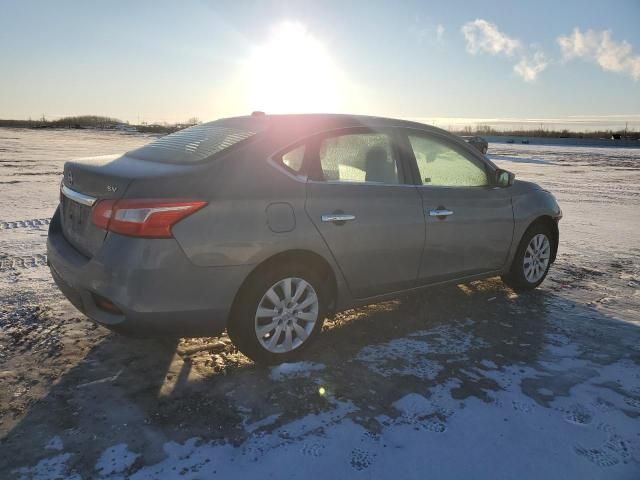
(575,123)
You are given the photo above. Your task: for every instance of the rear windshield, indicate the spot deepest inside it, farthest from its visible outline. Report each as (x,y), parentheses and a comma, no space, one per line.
(194,144)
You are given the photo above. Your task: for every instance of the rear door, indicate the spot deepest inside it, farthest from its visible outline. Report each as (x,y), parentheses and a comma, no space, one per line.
(368,214)
(469,220)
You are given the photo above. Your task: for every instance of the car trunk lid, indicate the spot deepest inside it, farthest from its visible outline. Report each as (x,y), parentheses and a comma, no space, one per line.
(90,180)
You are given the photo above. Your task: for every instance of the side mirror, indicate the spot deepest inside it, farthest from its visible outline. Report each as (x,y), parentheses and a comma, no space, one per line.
(504,178)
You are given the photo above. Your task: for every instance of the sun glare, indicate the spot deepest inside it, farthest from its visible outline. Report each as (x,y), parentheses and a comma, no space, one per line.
(293,72)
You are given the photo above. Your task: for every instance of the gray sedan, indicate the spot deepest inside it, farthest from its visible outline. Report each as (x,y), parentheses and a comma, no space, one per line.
(265,225)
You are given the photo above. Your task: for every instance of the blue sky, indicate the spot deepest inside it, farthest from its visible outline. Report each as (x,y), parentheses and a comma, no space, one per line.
(168,61)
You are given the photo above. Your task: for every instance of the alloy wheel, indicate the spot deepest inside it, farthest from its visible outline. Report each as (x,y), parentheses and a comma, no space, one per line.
(286,315)
(536,258)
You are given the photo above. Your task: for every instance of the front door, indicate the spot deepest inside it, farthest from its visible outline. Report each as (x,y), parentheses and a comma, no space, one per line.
(469,220)
(369,217)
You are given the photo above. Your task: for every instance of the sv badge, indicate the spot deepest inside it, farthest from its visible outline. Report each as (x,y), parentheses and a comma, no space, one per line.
(112,188)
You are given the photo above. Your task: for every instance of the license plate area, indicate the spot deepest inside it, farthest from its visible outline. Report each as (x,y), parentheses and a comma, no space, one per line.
(74,216)
(77,227)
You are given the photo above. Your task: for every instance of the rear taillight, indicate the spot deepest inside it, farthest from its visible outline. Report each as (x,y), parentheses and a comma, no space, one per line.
(149,218)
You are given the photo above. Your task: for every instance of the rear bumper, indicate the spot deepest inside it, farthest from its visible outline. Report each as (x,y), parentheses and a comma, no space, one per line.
(152,282)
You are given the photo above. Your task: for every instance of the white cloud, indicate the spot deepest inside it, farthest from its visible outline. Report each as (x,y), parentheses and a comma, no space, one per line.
(485,37)
(600,48)
(439,32)
(529,67)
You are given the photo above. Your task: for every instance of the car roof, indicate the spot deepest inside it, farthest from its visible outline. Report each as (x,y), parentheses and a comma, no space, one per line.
(310,123)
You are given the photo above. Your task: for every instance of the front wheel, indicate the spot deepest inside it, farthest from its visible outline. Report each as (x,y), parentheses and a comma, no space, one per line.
(532,260)
(279,313)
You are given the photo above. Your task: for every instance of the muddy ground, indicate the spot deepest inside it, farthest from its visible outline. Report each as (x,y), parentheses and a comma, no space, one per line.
(462,381)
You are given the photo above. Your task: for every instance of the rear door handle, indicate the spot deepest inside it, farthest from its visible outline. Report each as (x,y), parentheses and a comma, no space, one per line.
(338,217)
(440,213)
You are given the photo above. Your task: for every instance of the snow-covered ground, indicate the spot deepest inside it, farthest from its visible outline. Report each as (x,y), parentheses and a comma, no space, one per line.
(469,381)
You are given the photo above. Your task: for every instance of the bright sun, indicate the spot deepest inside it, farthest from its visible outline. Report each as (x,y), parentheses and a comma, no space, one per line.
(292,72)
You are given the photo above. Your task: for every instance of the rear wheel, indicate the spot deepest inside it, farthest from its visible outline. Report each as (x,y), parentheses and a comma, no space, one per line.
(532,260)
(279,313)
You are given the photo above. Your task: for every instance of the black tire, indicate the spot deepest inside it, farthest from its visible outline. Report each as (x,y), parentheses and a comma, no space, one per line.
(241,328)
(516,278)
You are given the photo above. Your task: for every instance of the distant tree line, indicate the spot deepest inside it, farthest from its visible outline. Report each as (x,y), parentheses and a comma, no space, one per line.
(91,121)
(81,121)
(487,130)
(97,122)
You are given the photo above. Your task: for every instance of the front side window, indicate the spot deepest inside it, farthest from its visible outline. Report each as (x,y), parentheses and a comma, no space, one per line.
(359,157)
(442,166)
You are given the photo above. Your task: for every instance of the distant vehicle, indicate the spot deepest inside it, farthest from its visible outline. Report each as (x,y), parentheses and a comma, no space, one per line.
(265,225)
(478,142)
(123,127)
(510,140)
(616,136)
(525,141)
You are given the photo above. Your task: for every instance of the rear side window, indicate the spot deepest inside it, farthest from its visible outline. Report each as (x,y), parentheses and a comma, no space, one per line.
(359,157)
(194,144)
(293,158)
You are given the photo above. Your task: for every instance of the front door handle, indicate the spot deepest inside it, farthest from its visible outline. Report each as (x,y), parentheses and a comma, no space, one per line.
(440,212)
(338,217)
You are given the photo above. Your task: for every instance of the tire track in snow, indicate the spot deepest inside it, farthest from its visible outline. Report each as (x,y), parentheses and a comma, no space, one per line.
(11,262)
(32,223)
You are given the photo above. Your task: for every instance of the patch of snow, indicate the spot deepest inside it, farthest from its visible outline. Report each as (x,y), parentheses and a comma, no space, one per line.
(317,421)
(488,364)
(506,158)
(55,444)
(261,453)
(192,460)
(408,356)
(492,449)
(586,434)
(48,468)
(414,404)
(252,427)
(297,369)
(402,356)
(449,339)
(116,459)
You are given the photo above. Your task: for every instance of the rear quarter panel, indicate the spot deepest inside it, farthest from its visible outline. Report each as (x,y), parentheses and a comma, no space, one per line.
(255,211)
